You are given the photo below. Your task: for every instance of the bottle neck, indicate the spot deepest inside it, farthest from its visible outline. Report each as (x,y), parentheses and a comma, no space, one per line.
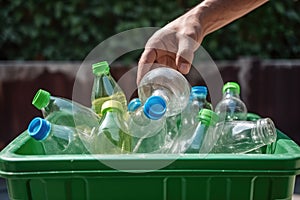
(231,93)
(101,74)
(103,82)
(206,121)
(112,111)
(50,106)
(162,93)
(204,124)
(62,132)
(266,131)
(138,117)
(114,119)
(198,97)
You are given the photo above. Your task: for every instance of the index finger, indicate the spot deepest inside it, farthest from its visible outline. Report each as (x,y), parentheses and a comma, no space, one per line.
(146,61)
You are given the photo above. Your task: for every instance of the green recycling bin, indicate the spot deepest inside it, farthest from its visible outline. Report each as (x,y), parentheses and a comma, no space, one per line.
(34,176)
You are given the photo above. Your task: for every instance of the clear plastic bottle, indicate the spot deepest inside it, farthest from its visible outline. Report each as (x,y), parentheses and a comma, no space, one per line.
(231,107)
(105,88)
(61,111)
(112,136)
(199,98)
(206,118)
(173,124)
(197,102)
(169,85)
(254,117)
(143,123)
(148,129)
(244,136)
(186,122)
(56,139)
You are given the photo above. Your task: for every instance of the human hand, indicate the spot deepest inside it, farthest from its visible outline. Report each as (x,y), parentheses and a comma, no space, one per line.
(172,46)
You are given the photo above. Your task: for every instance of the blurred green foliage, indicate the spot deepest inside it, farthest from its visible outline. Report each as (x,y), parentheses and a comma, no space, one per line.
(270,31)
(69,30)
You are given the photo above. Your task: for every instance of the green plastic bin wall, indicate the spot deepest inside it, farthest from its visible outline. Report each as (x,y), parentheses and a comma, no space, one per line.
(32,175)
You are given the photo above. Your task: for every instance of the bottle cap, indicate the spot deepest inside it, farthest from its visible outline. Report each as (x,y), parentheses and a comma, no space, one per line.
(208,117)
(155,107)
(39,128)
(111,104)
(199,90)
(41,99)
(101,68)
(134,104)
(231,86)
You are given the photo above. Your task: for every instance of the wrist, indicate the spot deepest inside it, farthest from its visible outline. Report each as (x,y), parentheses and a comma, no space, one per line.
(192,26)
(205,17)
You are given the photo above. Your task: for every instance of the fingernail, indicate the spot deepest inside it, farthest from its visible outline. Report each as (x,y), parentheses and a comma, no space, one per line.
(184,68)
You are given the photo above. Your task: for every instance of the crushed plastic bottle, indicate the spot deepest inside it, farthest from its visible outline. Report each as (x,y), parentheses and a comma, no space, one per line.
(167,84)
(231,107)
(56,139)
(105,88)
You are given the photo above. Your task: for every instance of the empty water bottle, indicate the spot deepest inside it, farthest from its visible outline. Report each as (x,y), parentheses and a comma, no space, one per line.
(147,126)
(198,98)
(197,102)
(169,85)
(206,119)
(62,111)
(186,122)
(173,124)
(254,117)
(105,88)
(231,107)
(112,136)
(56,139)
(244,136)
(143,123)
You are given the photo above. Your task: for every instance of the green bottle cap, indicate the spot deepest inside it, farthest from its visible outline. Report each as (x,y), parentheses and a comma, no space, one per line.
(109,104)
(41,99)
(208,117)
(231,86)
(101,68)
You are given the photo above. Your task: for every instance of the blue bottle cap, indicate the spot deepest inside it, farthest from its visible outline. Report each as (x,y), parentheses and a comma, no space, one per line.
(39,128)
(155,107)
(134,104)
(197,90)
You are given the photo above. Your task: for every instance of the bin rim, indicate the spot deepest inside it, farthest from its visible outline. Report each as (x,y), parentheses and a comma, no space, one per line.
(11,162)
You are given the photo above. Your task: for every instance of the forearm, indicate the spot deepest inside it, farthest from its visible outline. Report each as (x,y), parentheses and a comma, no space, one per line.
(214,14)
